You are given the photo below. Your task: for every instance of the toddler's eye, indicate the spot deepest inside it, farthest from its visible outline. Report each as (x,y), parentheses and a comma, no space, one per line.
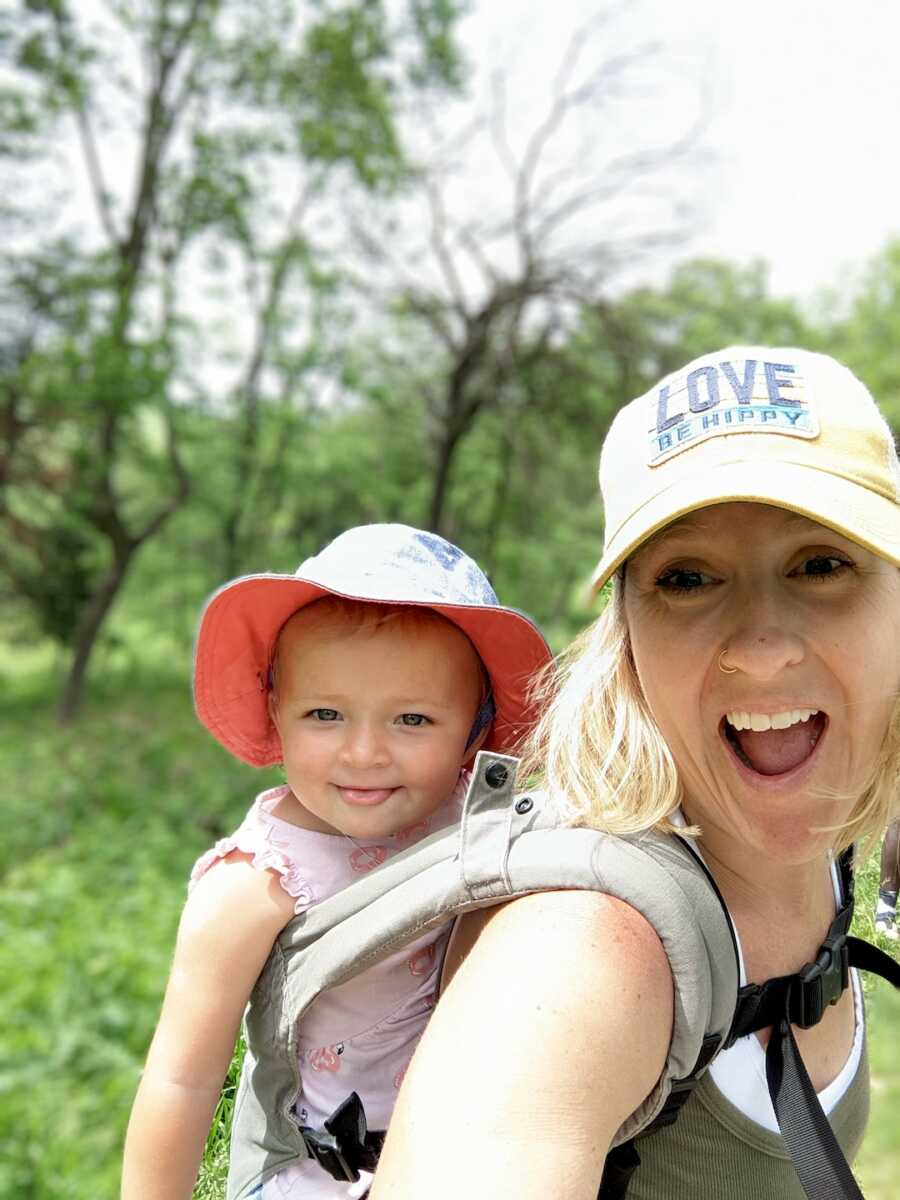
(324,714)
(413,719)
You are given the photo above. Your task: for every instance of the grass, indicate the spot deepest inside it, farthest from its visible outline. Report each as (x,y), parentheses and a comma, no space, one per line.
(102,822)
(878,1164)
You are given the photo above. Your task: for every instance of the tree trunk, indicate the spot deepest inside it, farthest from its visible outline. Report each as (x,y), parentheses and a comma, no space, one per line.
(89,627)
(446,452)
(498,503)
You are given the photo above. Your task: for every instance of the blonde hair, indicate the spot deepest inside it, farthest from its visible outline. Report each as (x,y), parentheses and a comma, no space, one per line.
(599,752)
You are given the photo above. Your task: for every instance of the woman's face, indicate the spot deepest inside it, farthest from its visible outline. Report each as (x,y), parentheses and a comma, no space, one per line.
(810,622)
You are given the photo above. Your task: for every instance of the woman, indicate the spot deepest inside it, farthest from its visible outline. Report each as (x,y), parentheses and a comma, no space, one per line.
(740,686)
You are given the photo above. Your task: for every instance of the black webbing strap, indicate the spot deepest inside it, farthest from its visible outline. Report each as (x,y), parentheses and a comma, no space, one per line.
(621,1163)
(801,1000)
(623,1160)
(344,1146)
(818,1159)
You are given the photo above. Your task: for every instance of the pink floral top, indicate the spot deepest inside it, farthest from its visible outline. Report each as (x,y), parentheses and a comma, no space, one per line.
(359,1036)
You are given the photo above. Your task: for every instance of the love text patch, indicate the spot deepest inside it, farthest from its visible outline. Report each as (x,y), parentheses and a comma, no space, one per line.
(746,396)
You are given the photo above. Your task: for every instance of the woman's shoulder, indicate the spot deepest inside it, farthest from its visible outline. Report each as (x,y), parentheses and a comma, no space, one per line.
(590,925)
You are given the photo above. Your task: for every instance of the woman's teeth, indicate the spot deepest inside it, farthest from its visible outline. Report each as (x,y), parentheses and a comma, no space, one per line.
(759,722)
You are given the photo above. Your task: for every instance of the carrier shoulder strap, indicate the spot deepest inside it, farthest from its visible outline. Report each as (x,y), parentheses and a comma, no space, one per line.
(505,846)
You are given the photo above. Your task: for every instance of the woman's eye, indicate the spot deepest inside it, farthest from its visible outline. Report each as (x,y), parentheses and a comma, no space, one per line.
(682,579)
(822,566)
(413,719)
(324,714)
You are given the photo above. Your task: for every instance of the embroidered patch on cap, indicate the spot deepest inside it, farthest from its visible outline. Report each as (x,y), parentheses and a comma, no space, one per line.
(745,396)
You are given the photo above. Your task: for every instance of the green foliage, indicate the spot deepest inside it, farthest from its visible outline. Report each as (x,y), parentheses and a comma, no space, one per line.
(238,118)
(103,828)
(213,1175)
(878,1165)
(865,331)
(707,304)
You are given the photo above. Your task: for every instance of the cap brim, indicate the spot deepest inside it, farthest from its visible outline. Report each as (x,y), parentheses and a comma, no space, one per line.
(236,641)
(865,517)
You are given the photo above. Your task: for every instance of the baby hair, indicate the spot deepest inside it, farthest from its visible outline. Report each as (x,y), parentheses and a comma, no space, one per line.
(340,616)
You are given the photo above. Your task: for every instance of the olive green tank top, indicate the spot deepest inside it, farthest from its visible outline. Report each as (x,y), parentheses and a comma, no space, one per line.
(714,1152)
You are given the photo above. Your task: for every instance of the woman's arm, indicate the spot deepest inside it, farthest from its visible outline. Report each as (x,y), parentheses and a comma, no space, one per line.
(229,923)
(552,1031)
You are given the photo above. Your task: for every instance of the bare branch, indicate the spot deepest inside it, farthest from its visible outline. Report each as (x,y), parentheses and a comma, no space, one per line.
(541,136)
(434,317)
(365,237)
(467,238)
(623,171)
(439,245)
(498,126)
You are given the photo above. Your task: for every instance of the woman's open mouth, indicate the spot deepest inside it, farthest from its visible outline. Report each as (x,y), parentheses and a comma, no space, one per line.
(773,743)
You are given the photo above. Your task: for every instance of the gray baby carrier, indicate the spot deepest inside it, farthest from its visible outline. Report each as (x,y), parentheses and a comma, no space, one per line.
(507,846)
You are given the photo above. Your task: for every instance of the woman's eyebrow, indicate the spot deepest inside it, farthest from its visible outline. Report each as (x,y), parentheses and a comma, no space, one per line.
(693,523)
(698,523)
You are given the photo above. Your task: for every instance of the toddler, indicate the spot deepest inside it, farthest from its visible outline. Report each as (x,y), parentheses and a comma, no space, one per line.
(373,675)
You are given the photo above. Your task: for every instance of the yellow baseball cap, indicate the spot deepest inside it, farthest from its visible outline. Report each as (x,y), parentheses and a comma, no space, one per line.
(786,427)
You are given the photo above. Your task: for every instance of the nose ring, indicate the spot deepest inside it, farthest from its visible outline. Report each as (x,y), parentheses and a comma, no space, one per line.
(725,670)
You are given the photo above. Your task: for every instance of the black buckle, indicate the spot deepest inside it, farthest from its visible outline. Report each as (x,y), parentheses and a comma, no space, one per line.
(340,1147)
(819,983)
(326,1150)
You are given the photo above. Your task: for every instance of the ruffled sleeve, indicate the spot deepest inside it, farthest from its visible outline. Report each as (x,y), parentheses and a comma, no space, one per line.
(258,837)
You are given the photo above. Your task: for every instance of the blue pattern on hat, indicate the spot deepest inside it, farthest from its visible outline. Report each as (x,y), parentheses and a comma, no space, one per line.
(445,552)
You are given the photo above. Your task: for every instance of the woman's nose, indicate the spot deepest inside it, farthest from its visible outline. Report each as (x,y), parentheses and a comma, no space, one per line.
(763,651)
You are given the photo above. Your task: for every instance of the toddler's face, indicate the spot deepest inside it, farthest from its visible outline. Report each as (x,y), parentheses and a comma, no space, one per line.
(373,720)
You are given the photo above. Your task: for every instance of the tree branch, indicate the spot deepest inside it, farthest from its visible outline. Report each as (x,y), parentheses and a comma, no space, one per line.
(182,484)
(160,122)
(439,245)
(92,161)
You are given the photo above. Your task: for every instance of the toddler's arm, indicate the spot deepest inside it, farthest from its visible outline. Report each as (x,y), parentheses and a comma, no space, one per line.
(229,923)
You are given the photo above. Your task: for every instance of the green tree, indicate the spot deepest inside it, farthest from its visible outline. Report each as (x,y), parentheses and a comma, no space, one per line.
(864,328)
(706,305)
(237,120)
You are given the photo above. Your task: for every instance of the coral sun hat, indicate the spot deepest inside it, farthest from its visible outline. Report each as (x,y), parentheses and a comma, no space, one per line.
(786,427)
(385,564)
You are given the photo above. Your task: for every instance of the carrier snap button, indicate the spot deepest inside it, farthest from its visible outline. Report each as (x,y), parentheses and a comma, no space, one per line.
(526,804)
(496,775)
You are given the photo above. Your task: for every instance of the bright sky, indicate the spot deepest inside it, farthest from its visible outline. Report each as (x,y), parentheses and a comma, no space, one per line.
(806,124)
